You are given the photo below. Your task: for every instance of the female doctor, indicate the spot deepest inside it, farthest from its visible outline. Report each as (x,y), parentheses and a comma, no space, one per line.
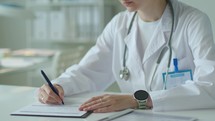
(135,49)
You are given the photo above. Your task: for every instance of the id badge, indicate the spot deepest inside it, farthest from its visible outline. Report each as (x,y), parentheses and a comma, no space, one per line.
(177,78)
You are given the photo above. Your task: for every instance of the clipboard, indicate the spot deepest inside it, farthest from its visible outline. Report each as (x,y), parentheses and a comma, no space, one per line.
(45,110)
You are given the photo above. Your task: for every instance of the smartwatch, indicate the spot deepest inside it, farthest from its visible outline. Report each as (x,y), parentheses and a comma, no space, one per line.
(141,97)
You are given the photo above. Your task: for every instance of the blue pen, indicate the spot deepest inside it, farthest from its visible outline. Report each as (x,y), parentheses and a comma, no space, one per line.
(175,62)
(50,84)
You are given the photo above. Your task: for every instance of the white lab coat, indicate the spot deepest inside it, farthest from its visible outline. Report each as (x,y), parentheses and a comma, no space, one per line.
(192,44)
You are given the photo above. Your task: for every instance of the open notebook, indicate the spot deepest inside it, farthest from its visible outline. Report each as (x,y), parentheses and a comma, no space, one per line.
(37,109)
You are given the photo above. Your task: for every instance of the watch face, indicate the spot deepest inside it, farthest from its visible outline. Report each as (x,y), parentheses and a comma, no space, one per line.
(141,95)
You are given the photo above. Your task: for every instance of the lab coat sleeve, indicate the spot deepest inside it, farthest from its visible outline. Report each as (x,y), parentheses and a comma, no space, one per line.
(199,93)
(94,72)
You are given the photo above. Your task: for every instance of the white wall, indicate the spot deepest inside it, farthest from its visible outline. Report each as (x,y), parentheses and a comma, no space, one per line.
(207,6)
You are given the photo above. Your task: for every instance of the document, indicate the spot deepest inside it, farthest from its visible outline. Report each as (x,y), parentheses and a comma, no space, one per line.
(38,109)
(139,116)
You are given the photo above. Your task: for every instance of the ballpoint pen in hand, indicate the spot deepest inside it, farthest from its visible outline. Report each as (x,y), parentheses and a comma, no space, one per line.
(50,84)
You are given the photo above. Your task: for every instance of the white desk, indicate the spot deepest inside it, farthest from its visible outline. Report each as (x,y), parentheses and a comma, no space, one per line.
(15,97)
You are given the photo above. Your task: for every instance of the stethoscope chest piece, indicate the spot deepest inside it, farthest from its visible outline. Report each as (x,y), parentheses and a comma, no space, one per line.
(124,73)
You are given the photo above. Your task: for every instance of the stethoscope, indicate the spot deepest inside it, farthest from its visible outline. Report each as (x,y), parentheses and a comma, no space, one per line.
(125,73)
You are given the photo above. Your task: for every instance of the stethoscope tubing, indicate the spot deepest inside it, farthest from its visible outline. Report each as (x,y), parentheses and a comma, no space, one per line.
(163,50)
(129,30)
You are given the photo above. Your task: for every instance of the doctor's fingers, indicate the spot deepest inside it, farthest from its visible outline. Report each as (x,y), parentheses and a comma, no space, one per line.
(95,105)
(117,103)
(46,99)
(42,96)
(48,96)
(60,91)
(90,102)
(104,106)
(93,101)
(99,102)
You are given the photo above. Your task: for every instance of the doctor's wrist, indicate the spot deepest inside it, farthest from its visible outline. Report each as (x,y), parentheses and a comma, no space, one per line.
(149,103)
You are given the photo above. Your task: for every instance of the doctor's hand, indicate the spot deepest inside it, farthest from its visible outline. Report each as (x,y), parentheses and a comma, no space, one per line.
(47,96)
(109,103)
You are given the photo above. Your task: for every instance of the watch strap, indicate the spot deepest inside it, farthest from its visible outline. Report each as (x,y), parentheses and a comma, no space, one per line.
(142,104)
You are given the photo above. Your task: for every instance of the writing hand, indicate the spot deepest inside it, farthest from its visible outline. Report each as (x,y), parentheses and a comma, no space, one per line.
(47,96)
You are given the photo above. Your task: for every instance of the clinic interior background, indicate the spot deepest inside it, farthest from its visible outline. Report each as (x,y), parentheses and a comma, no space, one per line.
(58,25)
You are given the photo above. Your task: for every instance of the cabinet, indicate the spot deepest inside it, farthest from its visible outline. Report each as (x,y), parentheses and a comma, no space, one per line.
(68,21)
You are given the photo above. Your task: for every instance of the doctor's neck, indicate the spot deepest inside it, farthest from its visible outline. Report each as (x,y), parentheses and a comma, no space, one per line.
(152,10)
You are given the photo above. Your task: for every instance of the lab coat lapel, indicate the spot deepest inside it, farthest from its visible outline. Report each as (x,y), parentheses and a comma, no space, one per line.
(160,36)
(157,41)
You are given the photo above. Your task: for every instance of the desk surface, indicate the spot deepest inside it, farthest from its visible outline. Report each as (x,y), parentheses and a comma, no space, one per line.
(15,97)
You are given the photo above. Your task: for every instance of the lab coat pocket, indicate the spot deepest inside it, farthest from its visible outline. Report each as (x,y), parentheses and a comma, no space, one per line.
(183,64)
